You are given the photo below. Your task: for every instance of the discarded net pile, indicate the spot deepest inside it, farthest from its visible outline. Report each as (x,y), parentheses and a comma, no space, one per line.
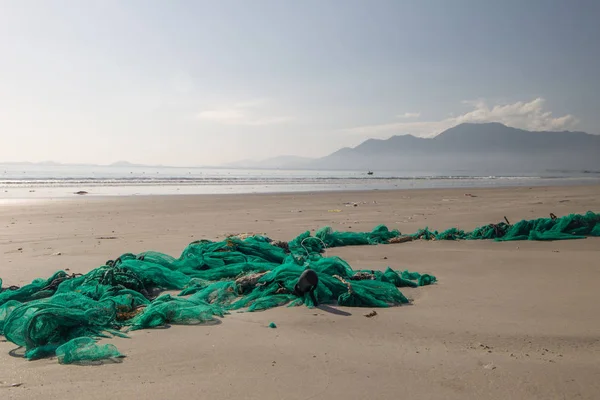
(65,315)
(573,226)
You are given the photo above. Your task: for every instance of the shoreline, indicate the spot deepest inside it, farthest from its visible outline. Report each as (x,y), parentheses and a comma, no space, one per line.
(63,193)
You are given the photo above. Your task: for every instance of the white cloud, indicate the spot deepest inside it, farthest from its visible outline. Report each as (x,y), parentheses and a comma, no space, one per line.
(529,116)
(525,115)
(249,113)
(408,115)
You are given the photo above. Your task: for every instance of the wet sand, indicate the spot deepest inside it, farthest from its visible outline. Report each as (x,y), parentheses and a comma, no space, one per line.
(506,320)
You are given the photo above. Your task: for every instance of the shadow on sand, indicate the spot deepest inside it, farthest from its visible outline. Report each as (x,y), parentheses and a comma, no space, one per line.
(331,310)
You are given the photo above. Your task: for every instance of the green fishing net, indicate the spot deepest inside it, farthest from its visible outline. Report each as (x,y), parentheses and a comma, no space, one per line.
(65,315)
(572,226)
(82,349)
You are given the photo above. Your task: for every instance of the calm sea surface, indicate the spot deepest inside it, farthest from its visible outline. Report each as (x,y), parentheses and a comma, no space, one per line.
(36,181)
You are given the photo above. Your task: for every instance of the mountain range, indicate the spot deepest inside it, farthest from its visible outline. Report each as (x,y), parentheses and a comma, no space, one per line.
(468,146)
(481,147)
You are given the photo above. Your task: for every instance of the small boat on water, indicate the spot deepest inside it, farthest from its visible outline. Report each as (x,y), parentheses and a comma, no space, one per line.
(370,173)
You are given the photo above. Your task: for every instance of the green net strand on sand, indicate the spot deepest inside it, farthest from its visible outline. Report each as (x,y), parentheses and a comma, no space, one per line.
(326,237)
(5,310)
(58,320)
(172,310)
(38,289)
(572,226)
(65,315)
(82,349)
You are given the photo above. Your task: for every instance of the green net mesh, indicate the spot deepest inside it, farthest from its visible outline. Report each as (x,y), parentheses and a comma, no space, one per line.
(65,315)
(573,226)
(82,349)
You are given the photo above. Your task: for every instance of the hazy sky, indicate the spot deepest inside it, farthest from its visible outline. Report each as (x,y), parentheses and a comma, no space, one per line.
(206,82)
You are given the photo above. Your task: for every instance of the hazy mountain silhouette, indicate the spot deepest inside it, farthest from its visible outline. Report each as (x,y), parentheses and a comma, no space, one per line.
(486,147)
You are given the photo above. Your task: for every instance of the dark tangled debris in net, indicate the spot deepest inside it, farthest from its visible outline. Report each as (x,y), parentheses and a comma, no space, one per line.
(65,315)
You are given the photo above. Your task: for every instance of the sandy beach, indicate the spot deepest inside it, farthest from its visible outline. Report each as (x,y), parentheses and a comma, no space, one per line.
(506,320)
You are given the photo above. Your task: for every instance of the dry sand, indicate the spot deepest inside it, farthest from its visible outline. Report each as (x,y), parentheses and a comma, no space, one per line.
(512,320)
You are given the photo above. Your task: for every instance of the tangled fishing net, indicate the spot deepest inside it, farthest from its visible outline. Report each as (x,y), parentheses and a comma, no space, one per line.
(573,226)
(65,315)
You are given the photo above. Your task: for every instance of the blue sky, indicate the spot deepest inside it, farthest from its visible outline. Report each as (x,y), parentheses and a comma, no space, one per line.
(209,82)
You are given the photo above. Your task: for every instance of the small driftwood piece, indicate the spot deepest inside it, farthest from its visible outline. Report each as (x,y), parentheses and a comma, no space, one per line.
(401,239)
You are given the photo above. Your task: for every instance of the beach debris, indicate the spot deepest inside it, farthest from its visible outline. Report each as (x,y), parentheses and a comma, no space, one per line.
(371,314)
(284,245)
(247,283)
(125,313)
(334,211)
(20,249)
(282,290)
(470,195)
(272,326)
(58,253)
(209,273)
(362,276)
(401,239)
(489,366)
(244,235)
(107,238)
(10,385)
(81,192)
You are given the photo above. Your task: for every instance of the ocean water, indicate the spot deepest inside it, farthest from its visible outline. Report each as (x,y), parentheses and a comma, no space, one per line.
(38,181)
